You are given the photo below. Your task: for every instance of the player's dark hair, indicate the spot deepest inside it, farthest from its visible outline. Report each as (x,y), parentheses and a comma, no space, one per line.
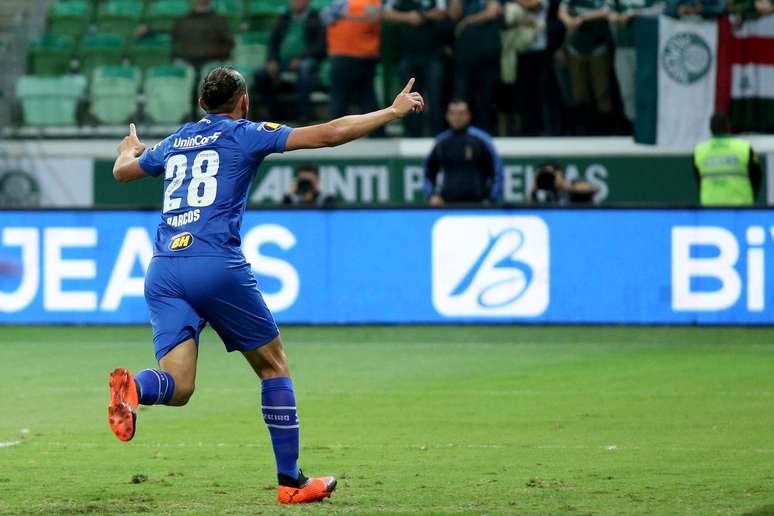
(309,167)
(720,123)
(221,88)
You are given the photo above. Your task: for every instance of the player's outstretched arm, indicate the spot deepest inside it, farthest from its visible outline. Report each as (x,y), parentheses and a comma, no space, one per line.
(127,167)
(348,128)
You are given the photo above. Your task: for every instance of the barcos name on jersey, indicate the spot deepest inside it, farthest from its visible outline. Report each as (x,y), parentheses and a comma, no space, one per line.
(183,218)
(195,141)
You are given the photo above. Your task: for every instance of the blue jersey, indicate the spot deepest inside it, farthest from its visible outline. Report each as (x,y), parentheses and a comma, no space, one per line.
(208,166)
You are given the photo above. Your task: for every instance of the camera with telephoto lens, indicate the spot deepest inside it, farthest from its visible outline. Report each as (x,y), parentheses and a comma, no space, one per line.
(305,186)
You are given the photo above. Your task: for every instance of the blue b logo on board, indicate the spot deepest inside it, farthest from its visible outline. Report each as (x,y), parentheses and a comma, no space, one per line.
(490,266)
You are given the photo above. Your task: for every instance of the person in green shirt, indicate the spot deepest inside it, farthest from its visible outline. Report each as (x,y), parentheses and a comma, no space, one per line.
(588,45)
(622,15)
(297,44)
(726,168)
(420,26)
(477,55)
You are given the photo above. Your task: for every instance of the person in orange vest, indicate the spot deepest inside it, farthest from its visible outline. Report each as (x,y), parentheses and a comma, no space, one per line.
(353,31)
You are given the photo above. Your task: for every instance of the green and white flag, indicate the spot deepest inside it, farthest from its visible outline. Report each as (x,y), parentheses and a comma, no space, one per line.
(676,80)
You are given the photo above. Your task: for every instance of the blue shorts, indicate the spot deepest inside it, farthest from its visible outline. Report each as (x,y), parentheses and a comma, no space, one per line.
(186,293)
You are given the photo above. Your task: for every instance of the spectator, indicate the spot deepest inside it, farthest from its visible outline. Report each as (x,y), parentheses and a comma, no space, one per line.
(535,91)
(726,168)
(588,58)
(622,20)
(297,44)
(695,8)
(202,36)
(477,51)
(764,7)
(550,187)
(305,189)
(463,165)
(421,56)
(354,28)
(523,24)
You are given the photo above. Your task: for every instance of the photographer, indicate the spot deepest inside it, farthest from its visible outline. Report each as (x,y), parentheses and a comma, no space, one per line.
(305,189)
(550,187)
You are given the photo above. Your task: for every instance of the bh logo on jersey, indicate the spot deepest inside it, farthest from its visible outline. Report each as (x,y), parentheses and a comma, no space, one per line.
(490,266)
(181,241)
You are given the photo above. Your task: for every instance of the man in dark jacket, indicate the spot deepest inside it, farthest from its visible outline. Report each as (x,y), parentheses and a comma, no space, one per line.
(297,45)
(463,165)
(202,35)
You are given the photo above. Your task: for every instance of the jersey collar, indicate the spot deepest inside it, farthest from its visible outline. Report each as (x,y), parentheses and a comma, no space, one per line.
(213,118)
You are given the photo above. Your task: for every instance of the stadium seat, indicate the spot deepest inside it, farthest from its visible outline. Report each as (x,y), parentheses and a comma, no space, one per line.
(161,15)
(232,10)
(250,49)
(50,100)
(262,14)
(93,4)
(119,17)
(114,91)
(99,50)
(151,50)
(169,90)
(320,4)
(50,54)
(71,18)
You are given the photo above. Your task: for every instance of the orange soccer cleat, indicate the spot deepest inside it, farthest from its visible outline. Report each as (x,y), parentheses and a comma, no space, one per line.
(312,490)
(122,411)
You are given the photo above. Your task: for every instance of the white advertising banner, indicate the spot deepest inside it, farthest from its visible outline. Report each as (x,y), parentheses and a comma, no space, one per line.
(45,181)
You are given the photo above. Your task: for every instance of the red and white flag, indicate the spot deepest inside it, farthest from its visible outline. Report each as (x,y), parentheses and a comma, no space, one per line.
(745,82)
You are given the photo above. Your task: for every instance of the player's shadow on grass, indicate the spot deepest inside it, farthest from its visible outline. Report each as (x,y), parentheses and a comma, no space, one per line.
(766,510)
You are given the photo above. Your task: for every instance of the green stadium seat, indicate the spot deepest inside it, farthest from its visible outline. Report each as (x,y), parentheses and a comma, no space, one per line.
(71,18)
(151,50)
(50,54)
(93,4)
(263,14)
(250,49)
(161,15)
(232,10)
(114,92)
(99,50)
(320,4)
(49,101)
(120,17)
(169,90)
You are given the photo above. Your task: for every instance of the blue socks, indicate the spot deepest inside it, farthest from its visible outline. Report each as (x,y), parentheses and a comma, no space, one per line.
(156,387)
(278,405)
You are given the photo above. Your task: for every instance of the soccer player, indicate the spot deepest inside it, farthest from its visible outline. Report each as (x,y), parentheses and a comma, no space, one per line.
(199,275)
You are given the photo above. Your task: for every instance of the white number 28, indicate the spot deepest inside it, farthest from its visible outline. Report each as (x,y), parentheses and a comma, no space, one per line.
(203,178)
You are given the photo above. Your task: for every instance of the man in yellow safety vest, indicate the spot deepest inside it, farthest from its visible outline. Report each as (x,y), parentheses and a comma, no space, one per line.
(726,167)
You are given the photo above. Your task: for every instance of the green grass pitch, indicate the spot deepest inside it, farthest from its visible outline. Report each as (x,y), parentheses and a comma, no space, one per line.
(421,420)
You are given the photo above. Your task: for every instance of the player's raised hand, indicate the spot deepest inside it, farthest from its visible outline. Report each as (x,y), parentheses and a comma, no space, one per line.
(408,101)
(131,143)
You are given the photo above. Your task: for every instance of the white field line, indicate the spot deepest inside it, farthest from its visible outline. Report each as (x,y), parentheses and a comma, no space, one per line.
(256,445)
(606,447)
(8,444)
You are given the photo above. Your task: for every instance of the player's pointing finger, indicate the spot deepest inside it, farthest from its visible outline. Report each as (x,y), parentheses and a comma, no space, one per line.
(132,130)
(408,86)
